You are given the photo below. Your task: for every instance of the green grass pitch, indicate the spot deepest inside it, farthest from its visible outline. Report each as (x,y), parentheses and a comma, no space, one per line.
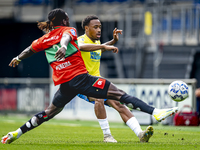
(87,135)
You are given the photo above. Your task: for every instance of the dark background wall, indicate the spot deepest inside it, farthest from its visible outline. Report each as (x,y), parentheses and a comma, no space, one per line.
(195,73)
(15,37)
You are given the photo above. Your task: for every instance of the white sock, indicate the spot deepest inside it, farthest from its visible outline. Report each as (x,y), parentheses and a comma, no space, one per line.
(104,126)
(155,111)
(19,132)
(134,125)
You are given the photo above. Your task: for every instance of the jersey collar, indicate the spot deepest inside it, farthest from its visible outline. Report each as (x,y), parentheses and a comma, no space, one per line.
(57,27)
(90,39)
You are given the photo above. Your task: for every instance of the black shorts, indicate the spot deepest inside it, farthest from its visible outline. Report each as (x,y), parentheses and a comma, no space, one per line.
(82,84)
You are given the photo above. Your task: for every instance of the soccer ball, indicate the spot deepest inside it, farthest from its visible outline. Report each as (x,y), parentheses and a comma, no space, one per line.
(178,91)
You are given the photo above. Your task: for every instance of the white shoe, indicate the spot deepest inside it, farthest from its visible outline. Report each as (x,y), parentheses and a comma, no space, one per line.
(164,113)
(146,134)
(9,138)
(108,138)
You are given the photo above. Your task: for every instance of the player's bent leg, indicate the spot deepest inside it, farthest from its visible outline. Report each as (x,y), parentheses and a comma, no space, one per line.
(129,119)
(40,118)
(100,112)
(31,124)
(124,112)
(99,108)
(117,94)
(35,121)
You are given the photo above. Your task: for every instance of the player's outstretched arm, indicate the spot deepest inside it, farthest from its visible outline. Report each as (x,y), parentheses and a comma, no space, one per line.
(24,54)
(93,47)
(110,48)
(116,33)
(90,47)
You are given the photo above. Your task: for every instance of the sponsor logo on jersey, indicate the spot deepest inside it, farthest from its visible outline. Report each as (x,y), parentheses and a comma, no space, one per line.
(95,56)
(63,65)
(51,38)
(73,32)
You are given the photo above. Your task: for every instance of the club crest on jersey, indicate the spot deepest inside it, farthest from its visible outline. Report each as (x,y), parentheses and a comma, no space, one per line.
(99,83)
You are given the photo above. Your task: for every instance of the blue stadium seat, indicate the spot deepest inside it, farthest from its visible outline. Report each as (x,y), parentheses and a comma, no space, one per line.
(34,2)
(109,1)
(176,23)
(86,1)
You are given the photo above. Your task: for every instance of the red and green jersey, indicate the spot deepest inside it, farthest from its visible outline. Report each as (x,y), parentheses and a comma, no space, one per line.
(73,64)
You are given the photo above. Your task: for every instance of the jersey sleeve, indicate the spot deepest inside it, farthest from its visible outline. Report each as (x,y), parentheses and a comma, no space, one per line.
(35,46)
(81,40)
(72,33)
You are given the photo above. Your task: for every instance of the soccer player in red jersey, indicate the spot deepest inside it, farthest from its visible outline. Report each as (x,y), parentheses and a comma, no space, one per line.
(63,54)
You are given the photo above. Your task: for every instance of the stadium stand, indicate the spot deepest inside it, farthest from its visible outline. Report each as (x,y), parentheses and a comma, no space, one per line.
(6,9)
(175,62)
(178,32)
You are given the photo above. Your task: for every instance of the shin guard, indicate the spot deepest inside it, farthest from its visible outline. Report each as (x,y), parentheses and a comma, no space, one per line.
(35,121)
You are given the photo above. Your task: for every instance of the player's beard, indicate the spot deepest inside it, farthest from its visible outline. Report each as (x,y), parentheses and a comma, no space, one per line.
(98,38)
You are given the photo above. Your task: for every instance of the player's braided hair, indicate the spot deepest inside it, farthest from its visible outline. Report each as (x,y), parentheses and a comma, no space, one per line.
(86,21)
(55,18)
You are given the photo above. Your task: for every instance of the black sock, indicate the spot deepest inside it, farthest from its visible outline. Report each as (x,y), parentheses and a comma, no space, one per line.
(137,103)
(31,124)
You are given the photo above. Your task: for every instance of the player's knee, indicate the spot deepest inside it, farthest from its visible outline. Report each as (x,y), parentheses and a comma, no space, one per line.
(60,99)
(119,105)
(99,102)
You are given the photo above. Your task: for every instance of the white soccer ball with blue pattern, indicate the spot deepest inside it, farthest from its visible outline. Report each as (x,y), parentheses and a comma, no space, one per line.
(178,91)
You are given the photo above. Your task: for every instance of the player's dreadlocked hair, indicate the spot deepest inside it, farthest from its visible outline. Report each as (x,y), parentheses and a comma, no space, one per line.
(87,20)
(55,18)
